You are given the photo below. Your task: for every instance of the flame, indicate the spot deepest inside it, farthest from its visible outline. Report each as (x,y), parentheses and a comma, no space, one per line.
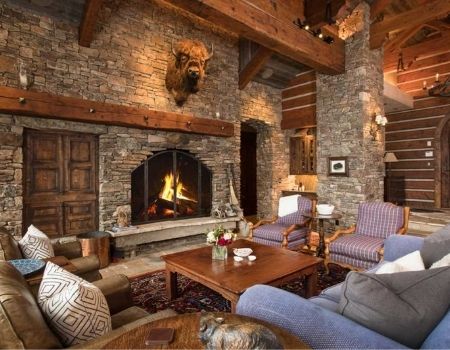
(167,191)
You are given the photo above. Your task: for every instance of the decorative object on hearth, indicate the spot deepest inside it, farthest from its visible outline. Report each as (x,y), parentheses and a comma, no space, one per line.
(220,239)
(218,212)
(186,69)
(214,333)
(123,215)
(377,123)
(337,166)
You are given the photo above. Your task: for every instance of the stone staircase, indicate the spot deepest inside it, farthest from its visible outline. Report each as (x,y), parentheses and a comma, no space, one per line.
(422,223)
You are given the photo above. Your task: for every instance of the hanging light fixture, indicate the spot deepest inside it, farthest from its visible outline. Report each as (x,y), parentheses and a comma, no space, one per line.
(438,89)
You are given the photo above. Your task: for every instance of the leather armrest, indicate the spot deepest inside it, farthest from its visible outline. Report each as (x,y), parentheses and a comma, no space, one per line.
(86,264)
(70,250)
(117,290)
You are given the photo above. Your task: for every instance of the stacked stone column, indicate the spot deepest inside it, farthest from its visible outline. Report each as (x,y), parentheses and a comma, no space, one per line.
(346,105)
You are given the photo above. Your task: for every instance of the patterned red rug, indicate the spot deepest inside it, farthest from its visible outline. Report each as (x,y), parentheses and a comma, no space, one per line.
(149,292)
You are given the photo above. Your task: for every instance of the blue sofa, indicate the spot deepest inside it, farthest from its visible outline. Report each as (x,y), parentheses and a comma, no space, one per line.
(316,320)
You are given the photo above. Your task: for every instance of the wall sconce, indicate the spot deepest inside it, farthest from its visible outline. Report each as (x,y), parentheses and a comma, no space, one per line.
(377,122)
(26,79)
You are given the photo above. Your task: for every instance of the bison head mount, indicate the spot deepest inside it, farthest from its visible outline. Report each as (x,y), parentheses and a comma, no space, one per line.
(186,69)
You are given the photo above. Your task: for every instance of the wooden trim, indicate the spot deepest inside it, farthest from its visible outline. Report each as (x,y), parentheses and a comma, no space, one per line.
(256,63)
(88,22)
(249,21)
(418,15)
(44,105)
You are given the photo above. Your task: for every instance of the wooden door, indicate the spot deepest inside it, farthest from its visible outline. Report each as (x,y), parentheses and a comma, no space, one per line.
(445,166)
(61,187)
(248,170)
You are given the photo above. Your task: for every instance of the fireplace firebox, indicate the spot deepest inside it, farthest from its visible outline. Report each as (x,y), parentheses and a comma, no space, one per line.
(169,185)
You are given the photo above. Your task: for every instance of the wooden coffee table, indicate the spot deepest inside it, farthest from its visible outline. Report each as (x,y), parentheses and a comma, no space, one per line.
(273,266)
(186,333)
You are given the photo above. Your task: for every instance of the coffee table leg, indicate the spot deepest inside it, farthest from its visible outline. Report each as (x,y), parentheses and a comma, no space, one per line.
(321,250)
(171,284)
(311,284)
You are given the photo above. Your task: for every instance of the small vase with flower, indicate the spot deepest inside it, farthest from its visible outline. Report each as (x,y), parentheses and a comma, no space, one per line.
(220,239)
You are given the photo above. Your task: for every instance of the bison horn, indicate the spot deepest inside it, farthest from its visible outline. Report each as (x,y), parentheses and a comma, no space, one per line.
(173,50)
(212,52)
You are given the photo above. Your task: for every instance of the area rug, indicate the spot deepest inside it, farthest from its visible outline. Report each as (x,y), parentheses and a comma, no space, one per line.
(149,291)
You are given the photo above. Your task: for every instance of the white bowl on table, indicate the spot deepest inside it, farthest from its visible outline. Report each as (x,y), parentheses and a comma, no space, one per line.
(242,252)
(324,209)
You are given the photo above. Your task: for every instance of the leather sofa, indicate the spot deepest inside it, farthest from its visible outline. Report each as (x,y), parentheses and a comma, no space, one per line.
(317,321)
(22,325)
(86,266)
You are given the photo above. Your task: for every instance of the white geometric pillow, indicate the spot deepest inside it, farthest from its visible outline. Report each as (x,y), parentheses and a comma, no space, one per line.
(445,261)
(36,245)
(76,310)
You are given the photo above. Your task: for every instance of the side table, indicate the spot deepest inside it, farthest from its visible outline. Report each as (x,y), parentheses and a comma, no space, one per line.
(186,333)
(320,219)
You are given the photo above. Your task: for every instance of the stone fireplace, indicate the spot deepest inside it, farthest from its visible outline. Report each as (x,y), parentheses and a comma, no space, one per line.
(170,185)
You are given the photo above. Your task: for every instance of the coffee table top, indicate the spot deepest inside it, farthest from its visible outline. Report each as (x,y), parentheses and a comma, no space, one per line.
(271,264)
(186,333)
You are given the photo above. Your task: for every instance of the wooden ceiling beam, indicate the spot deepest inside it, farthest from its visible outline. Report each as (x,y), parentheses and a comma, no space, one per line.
(88,22)
(418,15)
(412,53)
(401,38)
(43,105)
(256,63)
(251,22)
(315,14)
(378,7)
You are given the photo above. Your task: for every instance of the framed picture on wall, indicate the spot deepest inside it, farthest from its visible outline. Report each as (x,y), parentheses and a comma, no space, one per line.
(337,166)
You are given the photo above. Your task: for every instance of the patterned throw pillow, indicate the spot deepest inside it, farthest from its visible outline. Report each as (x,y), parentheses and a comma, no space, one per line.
(75,309)
(36,245)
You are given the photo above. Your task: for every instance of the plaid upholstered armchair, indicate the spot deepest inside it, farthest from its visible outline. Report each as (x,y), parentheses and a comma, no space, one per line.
(290,228)
(361,247)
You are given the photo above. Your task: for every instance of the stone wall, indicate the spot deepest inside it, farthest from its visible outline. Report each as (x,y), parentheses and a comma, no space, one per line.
(126,65)
(346,105)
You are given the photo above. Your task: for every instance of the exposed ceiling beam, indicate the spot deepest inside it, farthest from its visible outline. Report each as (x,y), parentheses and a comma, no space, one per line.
(44,105)
(418,15)
(414,52)
(401,38)
(88,22)
(315,11)
(256,63)
(377,8)
(251,22)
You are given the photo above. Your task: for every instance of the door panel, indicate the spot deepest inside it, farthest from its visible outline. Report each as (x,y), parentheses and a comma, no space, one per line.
(47,218)
(61,187)
(79,217)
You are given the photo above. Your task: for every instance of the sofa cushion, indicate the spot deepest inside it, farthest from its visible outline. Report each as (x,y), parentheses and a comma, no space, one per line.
(9,248)
(36,245)
(304,205)
(76,310)
(379,219)
(436,246)
(410,262)
(274,232)
(445,261)
(403,306)
(22,324)
(126,316)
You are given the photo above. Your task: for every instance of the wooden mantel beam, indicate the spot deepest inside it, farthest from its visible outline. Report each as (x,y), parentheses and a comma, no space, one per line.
(256,63)
(420,14)
(249,21)
(88,22)
(43,105)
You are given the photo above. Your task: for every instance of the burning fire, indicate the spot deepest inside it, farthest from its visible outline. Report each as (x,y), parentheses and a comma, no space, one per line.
(167,192)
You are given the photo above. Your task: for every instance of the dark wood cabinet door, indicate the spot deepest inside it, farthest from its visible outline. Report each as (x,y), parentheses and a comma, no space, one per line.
(61,187)
(302,155)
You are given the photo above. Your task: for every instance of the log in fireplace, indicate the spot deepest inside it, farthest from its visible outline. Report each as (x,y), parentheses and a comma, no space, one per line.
(171,184)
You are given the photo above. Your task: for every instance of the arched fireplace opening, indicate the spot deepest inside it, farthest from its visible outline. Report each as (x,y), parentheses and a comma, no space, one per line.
(170,185)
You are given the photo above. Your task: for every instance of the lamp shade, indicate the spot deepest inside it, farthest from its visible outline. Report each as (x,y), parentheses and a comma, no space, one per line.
(390,157)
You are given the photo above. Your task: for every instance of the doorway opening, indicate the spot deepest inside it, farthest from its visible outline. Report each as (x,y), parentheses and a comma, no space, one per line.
(443,159)
(248,169)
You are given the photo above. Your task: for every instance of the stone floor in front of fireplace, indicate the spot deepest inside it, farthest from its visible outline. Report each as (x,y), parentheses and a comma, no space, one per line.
(150,259)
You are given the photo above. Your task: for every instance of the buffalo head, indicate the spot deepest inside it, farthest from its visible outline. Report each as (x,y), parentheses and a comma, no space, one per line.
(186,69)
